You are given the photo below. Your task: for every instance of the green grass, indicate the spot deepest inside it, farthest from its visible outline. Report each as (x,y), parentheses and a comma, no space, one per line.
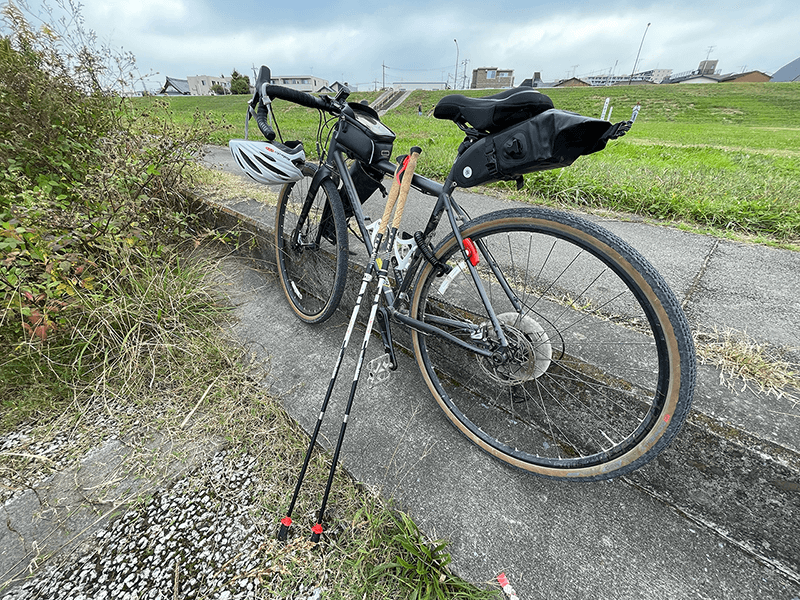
(724,159)
(159,352)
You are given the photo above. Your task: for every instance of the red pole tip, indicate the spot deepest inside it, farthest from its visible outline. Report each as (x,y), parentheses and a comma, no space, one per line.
(287,521)
(317,529)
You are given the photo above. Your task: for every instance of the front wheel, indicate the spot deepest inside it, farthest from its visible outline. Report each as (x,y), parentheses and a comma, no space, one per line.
(593,371)
(311,247)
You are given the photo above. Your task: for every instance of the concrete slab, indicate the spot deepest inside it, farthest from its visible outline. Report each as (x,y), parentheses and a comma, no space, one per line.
(553,539)
(754,289)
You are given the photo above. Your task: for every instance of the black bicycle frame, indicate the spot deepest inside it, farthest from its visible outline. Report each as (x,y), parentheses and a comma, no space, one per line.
(444,204)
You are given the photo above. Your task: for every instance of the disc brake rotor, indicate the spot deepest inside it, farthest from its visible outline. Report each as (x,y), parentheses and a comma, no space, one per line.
(529,346)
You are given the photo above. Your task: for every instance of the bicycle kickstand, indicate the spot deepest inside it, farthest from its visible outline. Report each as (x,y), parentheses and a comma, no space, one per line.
(286,522)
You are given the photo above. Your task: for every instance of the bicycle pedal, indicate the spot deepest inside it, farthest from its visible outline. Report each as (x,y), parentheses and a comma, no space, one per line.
(379,370)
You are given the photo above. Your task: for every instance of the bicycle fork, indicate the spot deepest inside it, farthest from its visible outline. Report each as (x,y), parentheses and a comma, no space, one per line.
(397,195)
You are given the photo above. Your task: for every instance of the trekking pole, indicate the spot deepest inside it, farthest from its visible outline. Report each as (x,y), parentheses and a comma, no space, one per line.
(394,192)
(408,166)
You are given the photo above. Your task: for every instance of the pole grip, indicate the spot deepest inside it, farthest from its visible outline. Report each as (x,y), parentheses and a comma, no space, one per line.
(406,185)
(394,192)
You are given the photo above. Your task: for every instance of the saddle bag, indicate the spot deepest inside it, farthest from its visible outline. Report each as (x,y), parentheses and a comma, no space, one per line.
(550,140)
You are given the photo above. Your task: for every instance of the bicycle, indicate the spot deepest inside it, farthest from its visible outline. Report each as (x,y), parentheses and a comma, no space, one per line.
(546,340)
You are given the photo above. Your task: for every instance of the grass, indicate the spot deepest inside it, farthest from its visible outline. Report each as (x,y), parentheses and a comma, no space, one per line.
(139,368)
(721,159)
(745,363)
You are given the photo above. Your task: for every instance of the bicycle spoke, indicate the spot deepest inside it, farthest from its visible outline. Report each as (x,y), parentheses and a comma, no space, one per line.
(580,380)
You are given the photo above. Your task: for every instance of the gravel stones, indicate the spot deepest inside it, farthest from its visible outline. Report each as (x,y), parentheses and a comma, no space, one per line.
(198,539)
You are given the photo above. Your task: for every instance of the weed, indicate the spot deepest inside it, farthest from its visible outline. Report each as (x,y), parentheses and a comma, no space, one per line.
(748,362)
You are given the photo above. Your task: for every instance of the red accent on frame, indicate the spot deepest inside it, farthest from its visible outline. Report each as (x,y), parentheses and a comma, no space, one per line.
(286,521)
(317,529)
(472,252)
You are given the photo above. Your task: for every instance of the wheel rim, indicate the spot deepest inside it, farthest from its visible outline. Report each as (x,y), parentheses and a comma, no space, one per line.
(308,263)
(568,416)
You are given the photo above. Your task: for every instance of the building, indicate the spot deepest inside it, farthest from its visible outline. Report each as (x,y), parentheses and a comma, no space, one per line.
(202,85)
(175,87)
(537,82)
(573,82)
(302,83)
(790,72)
(748,77)
(490,78)
(651,76)
(706,73)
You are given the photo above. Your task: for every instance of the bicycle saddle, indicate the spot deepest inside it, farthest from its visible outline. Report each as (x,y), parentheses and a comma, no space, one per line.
(493,113)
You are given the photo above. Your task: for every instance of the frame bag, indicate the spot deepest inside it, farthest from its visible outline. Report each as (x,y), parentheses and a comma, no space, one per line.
(550,140)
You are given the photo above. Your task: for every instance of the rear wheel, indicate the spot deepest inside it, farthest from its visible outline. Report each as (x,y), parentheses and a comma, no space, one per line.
(312,257)
(598,373)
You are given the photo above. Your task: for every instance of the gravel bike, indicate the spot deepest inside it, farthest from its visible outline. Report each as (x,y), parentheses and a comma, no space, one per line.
(548,341)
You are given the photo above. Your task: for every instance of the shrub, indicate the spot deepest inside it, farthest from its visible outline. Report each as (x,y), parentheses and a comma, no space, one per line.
(92,189)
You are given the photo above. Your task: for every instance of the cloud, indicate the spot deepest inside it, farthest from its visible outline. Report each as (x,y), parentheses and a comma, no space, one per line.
(188,37)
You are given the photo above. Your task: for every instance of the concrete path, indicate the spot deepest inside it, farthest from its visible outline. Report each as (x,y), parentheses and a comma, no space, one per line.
(715,516)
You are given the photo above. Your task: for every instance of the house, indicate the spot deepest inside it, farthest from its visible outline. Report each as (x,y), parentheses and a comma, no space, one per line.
(705,73)
(748,77)
(302,83)
(537,82)
(573,82)
(790,72)
(336,87)
(203,85)
(491,78)
(175,87)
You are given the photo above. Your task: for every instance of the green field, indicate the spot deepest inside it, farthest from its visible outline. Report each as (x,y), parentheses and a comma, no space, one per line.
(720,158)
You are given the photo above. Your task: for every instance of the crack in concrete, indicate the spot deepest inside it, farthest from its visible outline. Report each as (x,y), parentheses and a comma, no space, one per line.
(700,273)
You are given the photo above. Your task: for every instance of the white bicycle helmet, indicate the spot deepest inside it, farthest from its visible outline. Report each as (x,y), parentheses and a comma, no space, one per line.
(271,163)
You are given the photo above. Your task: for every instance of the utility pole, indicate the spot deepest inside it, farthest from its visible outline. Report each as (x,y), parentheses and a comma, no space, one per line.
(384,75)
(637,55)
(455,73)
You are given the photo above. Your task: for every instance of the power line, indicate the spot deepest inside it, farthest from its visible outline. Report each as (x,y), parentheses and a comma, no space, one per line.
(415,70)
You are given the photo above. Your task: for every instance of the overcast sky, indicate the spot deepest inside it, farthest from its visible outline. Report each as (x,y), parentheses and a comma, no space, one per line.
(351,40)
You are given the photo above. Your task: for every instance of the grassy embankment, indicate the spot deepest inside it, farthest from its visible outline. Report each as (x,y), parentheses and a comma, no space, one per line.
(112,326)
(723,159)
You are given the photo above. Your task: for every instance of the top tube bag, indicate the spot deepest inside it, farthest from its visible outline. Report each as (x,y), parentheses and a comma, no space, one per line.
(550,140)
(365,138)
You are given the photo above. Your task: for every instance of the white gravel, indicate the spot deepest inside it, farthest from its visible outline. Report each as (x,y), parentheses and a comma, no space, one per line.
(197,539)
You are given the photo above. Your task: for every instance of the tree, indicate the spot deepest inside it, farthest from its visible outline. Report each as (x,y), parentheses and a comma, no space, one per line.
(240,84)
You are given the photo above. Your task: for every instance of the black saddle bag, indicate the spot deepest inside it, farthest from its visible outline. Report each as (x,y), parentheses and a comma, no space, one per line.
(550,140)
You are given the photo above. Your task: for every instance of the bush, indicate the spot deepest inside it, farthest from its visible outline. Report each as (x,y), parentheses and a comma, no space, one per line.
(240,84)
(92,190)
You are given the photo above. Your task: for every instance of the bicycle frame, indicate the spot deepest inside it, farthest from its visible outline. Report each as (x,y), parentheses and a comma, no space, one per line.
(445,204)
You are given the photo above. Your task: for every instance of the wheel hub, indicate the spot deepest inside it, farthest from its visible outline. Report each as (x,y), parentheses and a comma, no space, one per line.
(529,354)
